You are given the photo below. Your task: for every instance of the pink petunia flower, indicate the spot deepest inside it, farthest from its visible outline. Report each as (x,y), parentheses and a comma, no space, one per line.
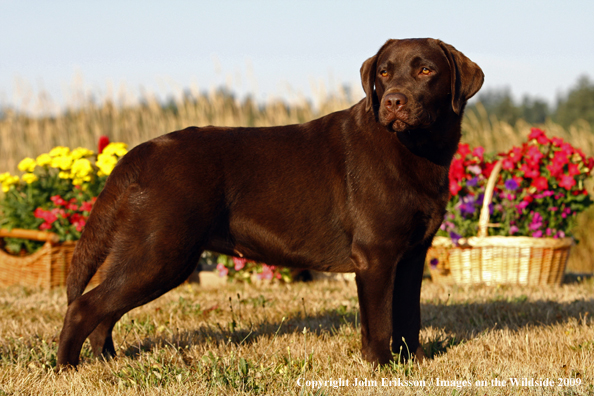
(239,263)
(267,272)
(223,271)
(478,152)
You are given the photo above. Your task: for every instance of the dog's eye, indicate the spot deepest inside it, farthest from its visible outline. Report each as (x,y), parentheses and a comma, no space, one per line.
(425,71)
(384,73)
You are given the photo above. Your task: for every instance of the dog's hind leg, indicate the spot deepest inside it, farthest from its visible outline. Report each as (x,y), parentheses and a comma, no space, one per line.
(135,277)
(101,340)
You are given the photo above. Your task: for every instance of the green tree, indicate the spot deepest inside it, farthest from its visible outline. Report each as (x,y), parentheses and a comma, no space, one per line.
(499,102)
(534,111)
(578,104)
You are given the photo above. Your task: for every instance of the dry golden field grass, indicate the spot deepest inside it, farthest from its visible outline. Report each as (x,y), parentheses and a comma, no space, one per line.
(271,339)
(22,135)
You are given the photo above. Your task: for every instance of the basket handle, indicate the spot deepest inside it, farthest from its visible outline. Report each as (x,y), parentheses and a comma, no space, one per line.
(485,215)
(30,234)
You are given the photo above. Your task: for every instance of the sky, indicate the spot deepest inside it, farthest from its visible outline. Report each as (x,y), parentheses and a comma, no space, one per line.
(276,49)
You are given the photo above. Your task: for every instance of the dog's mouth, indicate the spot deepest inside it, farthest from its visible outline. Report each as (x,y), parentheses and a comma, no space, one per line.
(403,121)
(399,125)
(396,123)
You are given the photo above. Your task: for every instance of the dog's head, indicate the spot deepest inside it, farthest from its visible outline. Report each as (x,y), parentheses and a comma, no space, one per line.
(410,83)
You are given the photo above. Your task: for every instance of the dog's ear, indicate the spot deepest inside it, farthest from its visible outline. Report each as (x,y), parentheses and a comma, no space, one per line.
(368,81)
(466,76)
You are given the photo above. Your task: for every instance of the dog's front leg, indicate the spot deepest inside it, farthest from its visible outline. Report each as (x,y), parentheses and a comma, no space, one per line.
(375,281)
(406,304)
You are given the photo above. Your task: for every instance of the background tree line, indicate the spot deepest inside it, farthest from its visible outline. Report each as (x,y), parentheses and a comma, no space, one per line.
(577,104)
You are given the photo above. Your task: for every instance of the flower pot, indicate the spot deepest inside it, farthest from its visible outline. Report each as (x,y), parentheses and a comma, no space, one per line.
(46,268)
(495,260)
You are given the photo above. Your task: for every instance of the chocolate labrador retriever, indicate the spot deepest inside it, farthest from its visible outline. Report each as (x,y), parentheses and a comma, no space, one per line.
(361,190)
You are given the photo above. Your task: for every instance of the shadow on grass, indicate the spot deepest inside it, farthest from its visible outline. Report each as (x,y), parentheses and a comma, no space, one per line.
(464,321)
(457,323)
(241,333)
(460,322)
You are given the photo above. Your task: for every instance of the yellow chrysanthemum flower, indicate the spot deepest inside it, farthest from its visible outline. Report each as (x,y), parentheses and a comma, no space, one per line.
(119,149)
(7,180)
(59,151)
(81,152)
(43,160)
(82,167)
(30,178)
(62,162)
(27,165)
(64,175)
(81,171)
(105,163)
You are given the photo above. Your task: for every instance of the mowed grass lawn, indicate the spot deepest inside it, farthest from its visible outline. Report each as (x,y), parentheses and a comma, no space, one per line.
(272,338)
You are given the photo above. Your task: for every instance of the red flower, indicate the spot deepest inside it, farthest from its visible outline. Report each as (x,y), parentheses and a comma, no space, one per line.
(488,169)
(103,142)
(38,213)
(78,221)
(540,183)
(539,135)
(72,204)
(566,149)
(463,150)
(48,216)
(567,182)
(574,169)
(555,168)
(560,157)
(529,171)
(58,200)
(86,206)
(457,170)
(533,155)
(45,226)
(515,154)
(454,187)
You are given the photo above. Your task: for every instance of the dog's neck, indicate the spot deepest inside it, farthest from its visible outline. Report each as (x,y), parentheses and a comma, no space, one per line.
(437,144)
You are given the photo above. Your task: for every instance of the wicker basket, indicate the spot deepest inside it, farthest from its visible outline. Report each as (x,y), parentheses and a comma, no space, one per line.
(498,259)
(46,268)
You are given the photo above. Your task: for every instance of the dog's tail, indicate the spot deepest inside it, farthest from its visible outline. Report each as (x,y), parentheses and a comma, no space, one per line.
(96,240)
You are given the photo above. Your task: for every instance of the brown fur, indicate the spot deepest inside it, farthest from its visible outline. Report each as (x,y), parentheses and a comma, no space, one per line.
(361,190)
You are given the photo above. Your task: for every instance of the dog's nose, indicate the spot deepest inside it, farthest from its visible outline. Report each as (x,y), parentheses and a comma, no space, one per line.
(394,101)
